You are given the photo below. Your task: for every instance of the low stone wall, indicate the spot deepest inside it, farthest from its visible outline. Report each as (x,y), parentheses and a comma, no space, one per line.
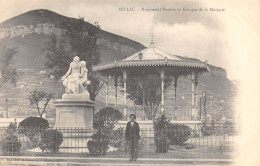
(195,125)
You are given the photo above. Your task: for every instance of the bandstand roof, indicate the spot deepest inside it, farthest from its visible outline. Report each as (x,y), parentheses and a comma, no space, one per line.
(151,53)
(150,57)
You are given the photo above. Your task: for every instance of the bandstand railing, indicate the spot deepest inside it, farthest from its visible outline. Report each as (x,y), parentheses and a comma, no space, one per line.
(183,113)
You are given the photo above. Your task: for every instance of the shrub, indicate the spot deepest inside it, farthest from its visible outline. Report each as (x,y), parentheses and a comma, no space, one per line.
(228,127)
(11,128)
(103,123)
(161,142)
(51,140)
(31,126)
(188,147)
(10,143)
(160,134)
(178,133)
(207,129)
(141,144)
(117,139)
(167,133)
(161,123)
(99,143)
(106,116)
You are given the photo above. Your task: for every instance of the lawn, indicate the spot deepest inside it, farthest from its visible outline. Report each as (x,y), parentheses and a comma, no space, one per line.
(207,147)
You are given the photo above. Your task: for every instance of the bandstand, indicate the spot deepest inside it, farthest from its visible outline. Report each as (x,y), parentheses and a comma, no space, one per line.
(153,61)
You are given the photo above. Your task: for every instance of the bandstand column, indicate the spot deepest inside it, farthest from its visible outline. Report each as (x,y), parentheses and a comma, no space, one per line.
(193,96)
(115,84)
(175,87)
(106,89)
(125,107)
(192,89)
(196,91)
(143,90)
(162,83)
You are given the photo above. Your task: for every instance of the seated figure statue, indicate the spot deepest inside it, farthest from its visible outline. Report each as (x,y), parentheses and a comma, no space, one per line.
(83,80)
(70,79)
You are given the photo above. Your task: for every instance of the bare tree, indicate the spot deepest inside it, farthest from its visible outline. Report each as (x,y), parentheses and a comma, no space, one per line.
(40,98)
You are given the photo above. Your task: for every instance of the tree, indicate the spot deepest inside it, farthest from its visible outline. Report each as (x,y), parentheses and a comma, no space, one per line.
(84,43)
(94,86)
(8,73)
(103,124)
(58,55)
(40,97)
(80,40)
(146,93)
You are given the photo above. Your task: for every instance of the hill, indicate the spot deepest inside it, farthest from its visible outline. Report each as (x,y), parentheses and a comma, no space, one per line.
(29,33)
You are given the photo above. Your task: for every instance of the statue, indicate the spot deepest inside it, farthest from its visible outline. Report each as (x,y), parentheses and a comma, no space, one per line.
(75,104)
(76,78)
(83,80)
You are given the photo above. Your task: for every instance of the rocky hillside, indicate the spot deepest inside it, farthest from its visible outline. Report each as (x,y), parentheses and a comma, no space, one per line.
(29,33)
(23,30)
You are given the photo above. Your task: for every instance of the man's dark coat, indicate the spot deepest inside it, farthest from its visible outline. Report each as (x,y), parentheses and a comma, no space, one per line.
(132,131)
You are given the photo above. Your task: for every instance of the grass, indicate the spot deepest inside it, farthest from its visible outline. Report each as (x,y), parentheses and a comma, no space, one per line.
(181,153)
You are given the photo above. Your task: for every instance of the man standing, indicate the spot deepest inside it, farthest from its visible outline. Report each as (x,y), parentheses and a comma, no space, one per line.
(132,136)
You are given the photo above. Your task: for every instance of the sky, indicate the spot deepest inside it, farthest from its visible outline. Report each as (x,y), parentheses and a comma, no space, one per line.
(207,35)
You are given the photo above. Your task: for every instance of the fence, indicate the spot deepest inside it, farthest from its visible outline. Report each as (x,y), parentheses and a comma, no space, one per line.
(182,113)
(186,143)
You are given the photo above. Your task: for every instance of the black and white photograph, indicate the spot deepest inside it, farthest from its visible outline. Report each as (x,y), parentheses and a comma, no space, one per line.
(120,82)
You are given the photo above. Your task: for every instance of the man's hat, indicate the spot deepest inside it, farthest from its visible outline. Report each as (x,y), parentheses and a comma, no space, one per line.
(133,116)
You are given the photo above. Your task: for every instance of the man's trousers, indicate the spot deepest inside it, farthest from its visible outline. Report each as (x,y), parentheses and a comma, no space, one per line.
(133,143)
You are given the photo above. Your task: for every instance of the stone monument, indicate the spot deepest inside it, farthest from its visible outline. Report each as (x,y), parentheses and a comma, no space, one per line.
(75,111)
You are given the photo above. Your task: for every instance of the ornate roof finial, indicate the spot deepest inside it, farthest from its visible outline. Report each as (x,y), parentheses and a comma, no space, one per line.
(152,42)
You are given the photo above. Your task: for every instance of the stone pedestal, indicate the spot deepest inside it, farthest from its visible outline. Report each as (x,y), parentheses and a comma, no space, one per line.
(74,111)
(74,119)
